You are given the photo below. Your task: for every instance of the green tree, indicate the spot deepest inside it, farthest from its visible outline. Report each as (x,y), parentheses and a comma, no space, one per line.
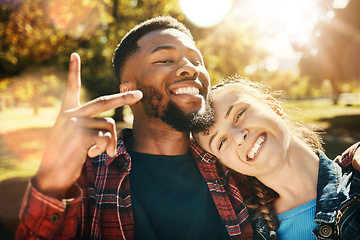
(44,33)
(228,48)
(50,30)
(333,52)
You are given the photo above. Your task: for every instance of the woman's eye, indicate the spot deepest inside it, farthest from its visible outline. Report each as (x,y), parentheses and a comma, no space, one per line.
(240,114)
(222,143)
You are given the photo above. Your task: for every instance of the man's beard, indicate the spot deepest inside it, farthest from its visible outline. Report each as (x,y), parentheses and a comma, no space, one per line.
(172,115)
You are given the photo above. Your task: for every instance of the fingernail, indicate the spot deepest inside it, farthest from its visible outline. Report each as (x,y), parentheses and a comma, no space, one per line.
(72,57)
(137,94)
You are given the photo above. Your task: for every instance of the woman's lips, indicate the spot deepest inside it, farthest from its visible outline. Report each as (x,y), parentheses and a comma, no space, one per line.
(256,147)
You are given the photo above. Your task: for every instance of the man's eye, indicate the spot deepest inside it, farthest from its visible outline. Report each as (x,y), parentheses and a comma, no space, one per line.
(222,143)
(165,61)
(197,63)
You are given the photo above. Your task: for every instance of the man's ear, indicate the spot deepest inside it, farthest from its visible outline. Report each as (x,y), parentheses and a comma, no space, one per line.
(275,106)
(126,86)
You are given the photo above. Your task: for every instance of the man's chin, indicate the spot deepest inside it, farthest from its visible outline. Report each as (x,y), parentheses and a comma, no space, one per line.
(203,120)
(191,121)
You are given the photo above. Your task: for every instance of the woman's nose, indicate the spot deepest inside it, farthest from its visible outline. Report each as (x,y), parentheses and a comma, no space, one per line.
(187,69)
(239,135)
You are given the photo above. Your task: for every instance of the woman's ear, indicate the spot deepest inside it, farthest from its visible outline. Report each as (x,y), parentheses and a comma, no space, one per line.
(275,106)
(126,86)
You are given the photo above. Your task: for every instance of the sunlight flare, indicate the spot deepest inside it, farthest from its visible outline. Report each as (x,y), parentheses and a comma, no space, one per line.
(204,13)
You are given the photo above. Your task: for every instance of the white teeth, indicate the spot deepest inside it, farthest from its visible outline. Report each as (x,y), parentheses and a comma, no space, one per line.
(253,151)
(187,90)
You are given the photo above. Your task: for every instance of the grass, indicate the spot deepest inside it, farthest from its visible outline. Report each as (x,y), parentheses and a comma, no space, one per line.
(315,110)
(23,137)
(22,140)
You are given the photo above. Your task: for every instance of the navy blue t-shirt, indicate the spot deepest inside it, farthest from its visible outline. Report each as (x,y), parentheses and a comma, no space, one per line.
(171,200)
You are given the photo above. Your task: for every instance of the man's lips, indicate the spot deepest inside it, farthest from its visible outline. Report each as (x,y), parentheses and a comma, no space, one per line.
(191,87)
(255,149)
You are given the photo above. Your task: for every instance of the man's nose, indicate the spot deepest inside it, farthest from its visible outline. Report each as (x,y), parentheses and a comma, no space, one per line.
(238,135)
(187,69)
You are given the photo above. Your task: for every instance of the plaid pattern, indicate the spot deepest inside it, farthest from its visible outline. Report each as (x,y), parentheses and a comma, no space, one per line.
(345,159)
(103,210)
(42,217)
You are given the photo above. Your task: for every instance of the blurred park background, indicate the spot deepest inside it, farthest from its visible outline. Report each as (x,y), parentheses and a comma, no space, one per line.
(308,48)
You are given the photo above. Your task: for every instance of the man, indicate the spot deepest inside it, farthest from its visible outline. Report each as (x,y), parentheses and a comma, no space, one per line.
(175,193)
(153,183)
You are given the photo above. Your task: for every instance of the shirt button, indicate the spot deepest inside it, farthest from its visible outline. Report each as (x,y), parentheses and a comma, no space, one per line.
(54,218)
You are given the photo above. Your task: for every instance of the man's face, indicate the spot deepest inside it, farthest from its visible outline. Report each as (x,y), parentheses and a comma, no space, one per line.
(170,72)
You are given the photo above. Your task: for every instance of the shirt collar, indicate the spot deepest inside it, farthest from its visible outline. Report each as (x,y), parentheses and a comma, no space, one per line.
(123,135)
(201,154)
(198,153)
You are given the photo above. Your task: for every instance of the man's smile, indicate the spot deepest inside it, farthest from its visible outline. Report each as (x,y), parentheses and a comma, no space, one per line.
(186,90)
(189,88)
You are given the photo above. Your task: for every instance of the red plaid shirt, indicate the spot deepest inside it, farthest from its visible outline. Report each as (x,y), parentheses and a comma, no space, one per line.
(102,208)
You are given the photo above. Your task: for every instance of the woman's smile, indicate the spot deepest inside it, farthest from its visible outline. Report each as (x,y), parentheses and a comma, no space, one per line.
(257,146)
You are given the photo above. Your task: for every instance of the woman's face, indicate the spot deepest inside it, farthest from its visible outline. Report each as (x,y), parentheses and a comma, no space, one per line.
(249,135)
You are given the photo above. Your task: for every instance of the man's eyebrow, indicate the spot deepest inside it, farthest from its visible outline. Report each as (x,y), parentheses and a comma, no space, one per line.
(166,47)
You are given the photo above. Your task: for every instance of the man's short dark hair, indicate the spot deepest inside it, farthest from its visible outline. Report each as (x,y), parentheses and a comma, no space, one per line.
(128,45)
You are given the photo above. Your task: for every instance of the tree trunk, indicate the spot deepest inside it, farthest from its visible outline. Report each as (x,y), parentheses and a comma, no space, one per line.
(336,91)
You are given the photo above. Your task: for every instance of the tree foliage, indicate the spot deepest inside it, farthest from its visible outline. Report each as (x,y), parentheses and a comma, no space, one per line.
(228,48)
(333,52)
(40,34)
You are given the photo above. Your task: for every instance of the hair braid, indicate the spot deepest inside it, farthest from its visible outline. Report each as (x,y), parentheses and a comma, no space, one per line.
(260,204)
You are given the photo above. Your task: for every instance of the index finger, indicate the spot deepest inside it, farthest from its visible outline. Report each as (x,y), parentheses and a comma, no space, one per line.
(106,103)
(72,93)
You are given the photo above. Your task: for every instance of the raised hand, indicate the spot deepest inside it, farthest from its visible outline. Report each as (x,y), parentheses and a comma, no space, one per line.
(77,133)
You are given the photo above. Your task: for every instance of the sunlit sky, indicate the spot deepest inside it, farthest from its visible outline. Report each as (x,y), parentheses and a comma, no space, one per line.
(279,22)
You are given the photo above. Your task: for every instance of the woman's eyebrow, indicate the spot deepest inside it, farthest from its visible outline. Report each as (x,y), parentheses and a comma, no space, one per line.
(229,111)
(226,116)
(212,138)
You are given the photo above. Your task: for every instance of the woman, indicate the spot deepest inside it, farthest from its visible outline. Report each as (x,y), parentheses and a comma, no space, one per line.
(253,136)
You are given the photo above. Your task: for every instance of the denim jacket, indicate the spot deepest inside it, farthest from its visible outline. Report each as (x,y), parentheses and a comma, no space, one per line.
(337,207)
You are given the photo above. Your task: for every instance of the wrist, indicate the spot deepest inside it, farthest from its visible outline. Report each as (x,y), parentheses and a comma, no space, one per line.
(48,186)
